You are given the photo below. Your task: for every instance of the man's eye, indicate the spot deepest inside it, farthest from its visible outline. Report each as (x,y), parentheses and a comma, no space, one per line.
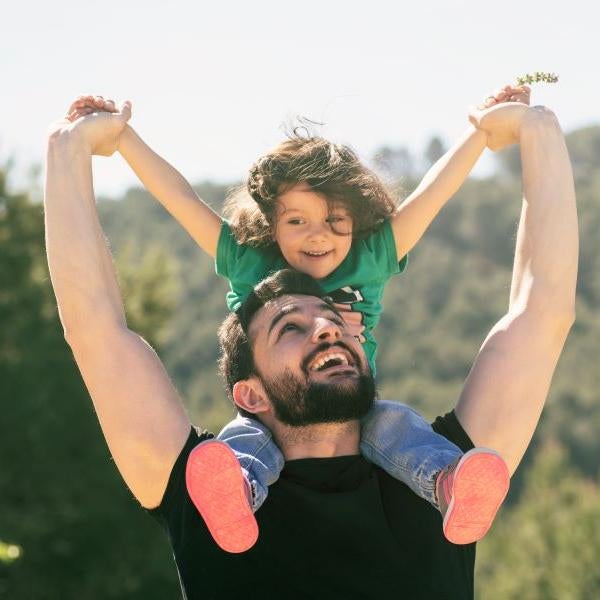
(288,327)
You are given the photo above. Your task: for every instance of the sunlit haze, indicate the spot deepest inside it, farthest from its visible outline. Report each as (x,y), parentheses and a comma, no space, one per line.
(211,83)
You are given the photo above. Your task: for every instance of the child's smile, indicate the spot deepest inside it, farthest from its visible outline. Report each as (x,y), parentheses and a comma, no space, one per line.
(313,236)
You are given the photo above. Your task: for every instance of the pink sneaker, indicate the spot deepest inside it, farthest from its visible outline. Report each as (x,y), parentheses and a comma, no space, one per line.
(470,492)
(220,492)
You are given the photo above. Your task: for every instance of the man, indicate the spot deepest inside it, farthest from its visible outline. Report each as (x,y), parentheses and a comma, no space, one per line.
(333,526)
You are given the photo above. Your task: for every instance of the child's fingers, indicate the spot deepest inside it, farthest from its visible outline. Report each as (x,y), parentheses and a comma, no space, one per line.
(508,93)
(498,95)
(81,101)
(94,101)
(109,105)
(487,102)
(521,94)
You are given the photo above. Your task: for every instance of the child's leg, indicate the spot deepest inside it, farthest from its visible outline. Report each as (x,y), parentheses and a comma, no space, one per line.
(467,489)
(260,458)
(227,481)
(397,439)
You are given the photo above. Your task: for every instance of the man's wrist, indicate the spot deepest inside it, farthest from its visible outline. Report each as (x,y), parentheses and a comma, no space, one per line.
(68,140)
(538,117)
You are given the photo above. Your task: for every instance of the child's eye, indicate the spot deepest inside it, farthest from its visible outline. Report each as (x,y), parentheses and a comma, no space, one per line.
(336,218)
(296,221)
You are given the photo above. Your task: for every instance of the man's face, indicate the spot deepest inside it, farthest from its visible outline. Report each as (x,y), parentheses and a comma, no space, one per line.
(312,369)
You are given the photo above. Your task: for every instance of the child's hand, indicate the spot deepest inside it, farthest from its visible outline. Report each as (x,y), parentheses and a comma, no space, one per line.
(508,93)
(353,320)
(87,104)
(500,115)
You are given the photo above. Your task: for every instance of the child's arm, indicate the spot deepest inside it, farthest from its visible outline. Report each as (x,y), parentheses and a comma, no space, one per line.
(162,180)
(443,179)
(172,190)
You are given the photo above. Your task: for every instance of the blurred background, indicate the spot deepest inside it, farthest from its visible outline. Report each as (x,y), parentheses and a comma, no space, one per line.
(211,86)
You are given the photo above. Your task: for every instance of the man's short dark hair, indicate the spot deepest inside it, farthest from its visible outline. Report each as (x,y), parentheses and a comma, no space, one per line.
(236,361)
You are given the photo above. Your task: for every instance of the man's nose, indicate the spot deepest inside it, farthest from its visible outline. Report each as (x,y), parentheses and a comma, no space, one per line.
(325,330)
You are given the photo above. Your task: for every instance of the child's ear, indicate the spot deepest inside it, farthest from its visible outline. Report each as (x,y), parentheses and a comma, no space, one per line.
(250,395)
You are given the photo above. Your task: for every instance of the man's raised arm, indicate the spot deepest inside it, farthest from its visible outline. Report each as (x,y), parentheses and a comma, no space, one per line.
(142,418)
(506,389)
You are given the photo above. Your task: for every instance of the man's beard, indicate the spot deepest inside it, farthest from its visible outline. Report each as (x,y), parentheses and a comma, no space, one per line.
(299,402)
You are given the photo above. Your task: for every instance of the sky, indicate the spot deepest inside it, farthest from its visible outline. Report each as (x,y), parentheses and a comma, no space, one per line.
(212,83)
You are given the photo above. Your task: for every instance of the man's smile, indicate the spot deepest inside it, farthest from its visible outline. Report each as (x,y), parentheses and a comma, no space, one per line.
(332,359)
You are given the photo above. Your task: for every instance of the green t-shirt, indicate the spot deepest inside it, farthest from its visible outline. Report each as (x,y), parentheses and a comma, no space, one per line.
(357,284)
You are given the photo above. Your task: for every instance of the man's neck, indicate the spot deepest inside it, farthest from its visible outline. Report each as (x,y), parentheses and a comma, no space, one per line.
(318,441)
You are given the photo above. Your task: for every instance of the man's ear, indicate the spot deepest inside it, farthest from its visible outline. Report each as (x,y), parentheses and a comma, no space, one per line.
(250,395)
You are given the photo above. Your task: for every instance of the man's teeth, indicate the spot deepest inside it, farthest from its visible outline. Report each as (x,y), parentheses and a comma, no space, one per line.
(323,360)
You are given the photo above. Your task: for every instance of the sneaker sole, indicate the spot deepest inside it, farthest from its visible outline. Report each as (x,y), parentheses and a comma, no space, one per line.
(481,482)
(216,485)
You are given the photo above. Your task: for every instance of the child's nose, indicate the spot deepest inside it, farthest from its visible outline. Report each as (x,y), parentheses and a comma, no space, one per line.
(318,230)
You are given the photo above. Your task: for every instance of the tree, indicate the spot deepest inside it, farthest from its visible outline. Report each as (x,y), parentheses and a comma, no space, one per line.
(63,502)
(434,151)
(394,163)
(547,547)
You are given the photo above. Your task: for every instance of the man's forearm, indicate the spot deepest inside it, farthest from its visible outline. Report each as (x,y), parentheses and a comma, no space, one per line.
(439,184)
(546,256)
(80,264)
(506,390)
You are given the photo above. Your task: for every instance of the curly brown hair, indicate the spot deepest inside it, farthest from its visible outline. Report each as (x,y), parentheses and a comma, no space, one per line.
(332,170)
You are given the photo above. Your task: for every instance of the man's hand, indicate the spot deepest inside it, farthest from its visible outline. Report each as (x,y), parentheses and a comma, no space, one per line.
(501,114)
(95,122)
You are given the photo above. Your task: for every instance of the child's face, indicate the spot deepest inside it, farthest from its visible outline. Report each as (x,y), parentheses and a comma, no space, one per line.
(303,231)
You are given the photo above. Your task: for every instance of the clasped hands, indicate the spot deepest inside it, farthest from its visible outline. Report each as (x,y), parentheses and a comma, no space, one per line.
(93,122)
(98,122)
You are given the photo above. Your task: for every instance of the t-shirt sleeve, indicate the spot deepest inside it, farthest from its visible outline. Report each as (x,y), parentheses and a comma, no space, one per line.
(175,495)
(244,266)
(382,246)
(227,250)
(452,430)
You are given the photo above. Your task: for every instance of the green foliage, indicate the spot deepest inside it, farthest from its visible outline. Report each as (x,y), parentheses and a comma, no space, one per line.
(63,502)
(435,150)
(547,547)
(537,77)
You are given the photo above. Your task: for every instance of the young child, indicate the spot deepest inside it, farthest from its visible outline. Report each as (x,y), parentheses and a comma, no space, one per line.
(311,205)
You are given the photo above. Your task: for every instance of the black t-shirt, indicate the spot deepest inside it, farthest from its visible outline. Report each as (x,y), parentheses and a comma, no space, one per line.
(330,528)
